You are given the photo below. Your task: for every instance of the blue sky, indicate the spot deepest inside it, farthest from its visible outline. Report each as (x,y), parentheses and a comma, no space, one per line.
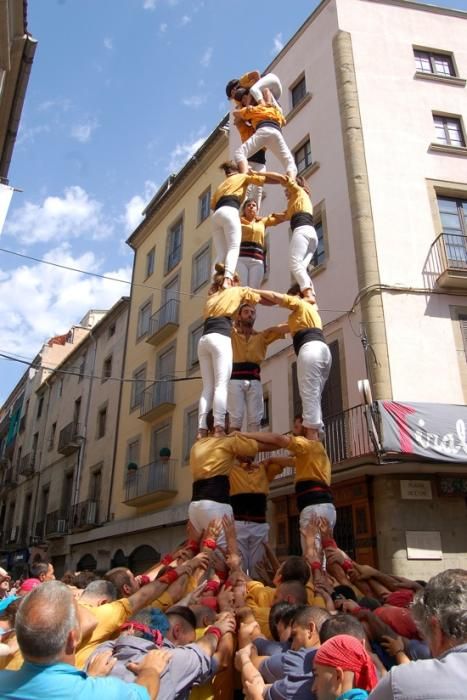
(121,93)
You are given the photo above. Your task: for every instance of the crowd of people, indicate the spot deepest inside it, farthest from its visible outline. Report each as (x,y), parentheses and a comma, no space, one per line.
(221,617)
(314,627)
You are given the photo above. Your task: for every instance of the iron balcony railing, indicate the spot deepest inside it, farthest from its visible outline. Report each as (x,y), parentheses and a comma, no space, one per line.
(447,259)
(56,524)
(70,438)
(167,314)
(27,464)
(151,479)
(156,395)
(85,515)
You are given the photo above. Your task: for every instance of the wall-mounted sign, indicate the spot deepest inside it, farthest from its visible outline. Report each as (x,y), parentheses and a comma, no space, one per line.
(416,490)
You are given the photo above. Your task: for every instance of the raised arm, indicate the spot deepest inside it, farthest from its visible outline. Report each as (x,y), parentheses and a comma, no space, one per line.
(270,296)
(274,178)
(269,439)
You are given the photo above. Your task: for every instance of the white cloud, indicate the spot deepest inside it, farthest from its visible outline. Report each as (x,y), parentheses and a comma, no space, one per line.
(278,43)
(186,19)
(194,101)
(134,207)
(108,43)
(206,57)
(149,4)
(163,27)
(59,218)
(59,103)
(83,132)
(183,151)
(38,301)
(27,134)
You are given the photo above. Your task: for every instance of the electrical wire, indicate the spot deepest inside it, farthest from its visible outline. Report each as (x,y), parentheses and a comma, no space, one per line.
(117,279)
(32,365)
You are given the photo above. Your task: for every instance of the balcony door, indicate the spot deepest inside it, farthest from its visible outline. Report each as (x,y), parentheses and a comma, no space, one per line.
(453,214)
(170,296)
(165,369)
(161,438)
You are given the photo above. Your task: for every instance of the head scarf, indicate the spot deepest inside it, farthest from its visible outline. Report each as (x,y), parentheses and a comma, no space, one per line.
(348,653)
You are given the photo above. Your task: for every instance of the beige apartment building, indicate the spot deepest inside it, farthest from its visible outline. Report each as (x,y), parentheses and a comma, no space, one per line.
(374,94)
(58,447)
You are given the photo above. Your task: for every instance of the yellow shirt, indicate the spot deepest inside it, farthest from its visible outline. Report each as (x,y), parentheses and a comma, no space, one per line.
(299,200)
(236,186)
(252,479)
(304,314)
(244,129)
(254,347)
(248,79)
(263,596)
(215,456)
(261,113)
(253,231)
(109,618)
(311,460)
(226,301)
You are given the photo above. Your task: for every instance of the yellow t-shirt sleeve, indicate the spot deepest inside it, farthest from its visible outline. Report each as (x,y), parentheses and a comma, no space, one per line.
(163,602)
(272,470)
(255,179)
(248,295)
(243,446)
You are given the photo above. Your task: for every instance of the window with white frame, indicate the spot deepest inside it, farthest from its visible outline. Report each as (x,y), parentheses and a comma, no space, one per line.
(204,205)
(440,64)
(195,334)
(201,268)
(448,130)
(174,246)
(138,386)
(302,156)
(298,92)
(191,429)
(150,261)
(144,319)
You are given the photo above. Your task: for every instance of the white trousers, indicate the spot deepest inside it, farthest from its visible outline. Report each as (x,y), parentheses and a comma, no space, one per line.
(245,394)
(251,537)
(255,192)
(215,363)
(271,81)
(251,272)
(321,510)
(302,247)
(313,367)
(227,234)
(200,513)
(272,139)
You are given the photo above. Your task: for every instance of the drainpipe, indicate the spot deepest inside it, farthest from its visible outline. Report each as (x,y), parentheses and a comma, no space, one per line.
(82,447)
(39,473)
(371,305)
(117,428)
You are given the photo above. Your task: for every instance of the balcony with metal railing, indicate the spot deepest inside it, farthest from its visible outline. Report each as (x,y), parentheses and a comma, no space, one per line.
(163,322)
(27,464)
(346,438)
(70,438)
(150,483)
(447,261)
(157,399)
(84,515)
(56,524)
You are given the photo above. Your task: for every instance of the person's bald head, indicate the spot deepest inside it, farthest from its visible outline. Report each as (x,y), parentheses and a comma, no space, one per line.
(47,626)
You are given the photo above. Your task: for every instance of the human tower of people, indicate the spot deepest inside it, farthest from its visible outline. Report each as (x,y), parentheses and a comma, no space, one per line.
(230,352)
(220,617)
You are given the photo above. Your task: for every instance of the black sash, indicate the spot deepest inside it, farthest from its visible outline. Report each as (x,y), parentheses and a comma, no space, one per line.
(216,488)
(269,123)
(301,218)
(311,493)
(248,249)
(258,157)
(218,324)
(246,370)
(304,336)
(228,201)
(249,506)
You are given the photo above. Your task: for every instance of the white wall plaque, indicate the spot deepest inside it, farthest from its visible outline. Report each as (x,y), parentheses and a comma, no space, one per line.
(423,545)
(416,489)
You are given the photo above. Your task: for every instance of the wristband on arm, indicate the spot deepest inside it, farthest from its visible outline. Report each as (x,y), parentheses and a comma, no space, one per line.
(215,631)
